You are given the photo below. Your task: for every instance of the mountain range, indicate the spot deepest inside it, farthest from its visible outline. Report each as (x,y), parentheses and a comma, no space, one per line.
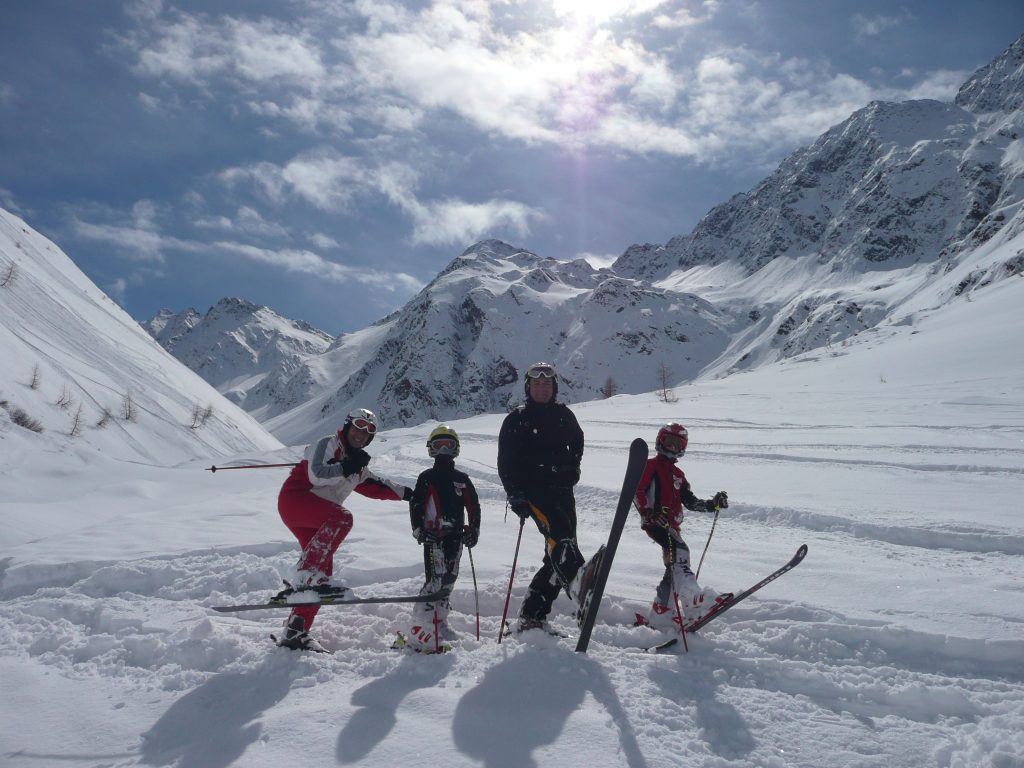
(896,202)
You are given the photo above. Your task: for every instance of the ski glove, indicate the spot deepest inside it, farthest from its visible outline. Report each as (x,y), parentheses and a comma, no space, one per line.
(470,536)
(425,535)
(719,501)
(657,519)
(520,506)
(354,462)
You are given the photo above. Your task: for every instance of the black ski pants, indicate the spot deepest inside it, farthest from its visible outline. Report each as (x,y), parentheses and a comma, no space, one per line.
(554,512)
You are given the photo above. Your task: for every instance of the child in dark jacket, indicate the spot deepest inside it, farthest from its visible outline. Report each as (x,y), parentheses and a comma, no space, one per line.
(441,502)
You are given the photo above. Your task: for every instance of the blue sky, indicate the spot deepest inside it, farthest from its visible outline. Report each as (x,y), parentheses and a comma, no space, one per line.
(328,158)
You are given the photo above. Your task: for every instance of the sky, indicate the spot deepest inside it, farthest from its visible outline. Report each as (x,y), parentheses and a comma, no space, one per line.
(329,159)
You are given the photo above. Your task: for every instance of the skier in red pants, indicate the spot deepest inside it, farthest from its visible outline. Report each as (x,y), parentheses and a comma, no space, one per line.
(310,504)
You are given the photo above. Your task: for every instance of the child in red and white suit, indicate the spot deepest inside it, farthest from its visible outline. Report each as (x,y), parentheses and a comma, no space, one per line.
(311,505)
(661,495)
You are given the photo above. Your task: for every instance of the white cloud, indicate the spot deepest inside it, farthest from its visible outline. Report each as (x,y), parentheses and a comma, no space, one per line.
(117,290)
(310,263)
(247,222)
(193,49)
(585,74)
(457,222)
(332,182)
(9,203)
(147,244)
(324,242)
(324,178)
(598,260)
(140,244)
(872,26)
(7,94)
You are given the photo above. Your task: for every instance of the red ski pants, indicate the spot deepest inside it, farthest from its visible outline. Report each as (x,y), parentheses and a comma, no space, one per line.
(320,526)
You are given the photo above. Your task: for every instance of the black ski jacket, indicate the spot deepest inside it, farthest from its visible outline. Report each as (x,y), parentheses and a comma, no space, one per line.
(539,447)
(442,498)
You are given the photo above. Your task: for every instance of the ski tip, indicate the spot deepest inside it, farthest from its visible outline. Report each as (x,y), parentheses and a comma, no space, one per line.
(801,553)
(639,444)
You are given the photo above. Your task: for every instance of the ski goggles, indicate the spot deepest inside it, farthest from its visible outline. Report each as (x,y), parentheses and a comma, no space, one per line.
(541,372)
(364,424)
(444,443)
(673,442)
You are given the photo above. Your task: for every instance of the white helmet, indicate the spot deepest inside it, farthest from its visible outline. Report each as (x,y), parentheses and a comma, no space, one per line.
(361,419)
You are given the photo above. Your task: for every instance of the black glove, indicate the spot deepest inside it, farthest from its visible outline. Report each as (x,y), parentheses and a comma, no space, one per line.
(470,536)
(424,535)
(520,506)
(719,501)
(657,519)
(407,494)
(354,462)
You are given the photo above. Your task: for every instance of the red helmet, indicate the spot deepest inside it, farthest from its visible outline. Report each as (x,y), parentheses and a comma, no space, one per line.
(671,441)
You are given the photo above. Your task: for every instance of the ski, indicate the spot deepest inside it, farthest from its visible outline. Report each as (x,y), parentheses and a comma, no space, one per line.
(693,626)
(332,601)
(591,602)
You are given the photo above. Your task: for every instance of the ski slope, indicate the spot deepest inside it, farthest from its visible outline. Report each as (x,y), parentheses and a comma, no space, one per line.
(897,642)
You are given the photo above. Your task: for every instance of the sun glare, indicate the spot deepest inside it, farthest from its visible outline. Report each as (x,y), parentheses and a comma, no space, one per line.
(600,11)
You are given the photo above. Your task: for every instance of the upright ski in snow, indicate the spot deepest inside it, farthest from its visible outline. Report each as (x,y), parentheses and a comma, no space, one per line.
(693,626)
(591,602)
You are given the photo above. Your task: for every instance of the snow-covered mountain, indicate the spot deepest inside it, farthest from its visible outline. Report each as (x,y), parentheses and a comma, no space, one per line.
(251,354)
(459,347)
(899,209)
(81,379)
(888,203)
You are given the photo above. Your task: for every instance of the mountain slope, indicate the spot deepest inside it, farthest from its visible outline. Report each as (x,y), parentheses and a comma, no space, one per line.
(248,352)
(82,371)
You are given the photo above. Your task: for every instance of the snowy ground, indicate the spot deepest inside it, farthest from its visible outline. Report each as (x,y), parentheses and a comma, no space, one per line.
(898,641)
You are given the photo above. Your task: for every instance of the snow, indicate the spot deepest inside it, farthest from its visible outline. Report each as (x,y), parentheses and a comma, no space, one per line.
(896,458)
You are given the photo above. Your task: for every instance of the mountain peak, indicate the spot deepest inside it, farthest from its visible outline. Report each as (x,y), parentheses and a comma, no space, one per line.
(999,85)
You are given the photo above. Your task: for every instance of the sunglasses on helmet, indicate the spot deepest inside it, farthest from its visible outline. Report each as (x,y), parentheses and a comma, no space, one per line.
(541,372)
(367,426)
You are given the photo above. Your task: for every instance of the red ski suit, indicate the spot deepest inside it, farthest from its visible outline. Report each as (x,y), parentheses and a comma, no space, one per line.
(310,504)
(663,487)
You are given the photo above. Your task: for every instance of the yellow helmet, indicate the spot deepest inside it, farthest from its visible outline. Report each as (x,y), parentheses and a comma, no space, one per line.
(443,441)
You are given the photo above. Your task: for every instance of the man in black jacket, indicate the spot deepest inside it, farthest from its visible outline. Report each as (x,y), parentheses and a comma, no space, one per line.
(540,447)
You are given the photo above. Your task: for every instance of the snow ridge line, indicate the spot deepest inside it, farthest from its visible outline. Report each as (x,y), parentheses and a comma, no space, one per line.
(980,541)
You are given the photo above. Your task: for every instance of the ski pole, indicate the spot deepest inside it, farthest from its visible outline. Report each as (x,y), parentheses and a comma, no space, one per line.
(476,595)
(713,522)
(250,466)
(508,596)
(679,613)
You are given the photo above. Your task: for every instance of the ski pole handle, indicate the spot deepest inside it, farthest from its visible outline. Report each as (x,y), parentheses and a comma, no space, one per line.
(250,466)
